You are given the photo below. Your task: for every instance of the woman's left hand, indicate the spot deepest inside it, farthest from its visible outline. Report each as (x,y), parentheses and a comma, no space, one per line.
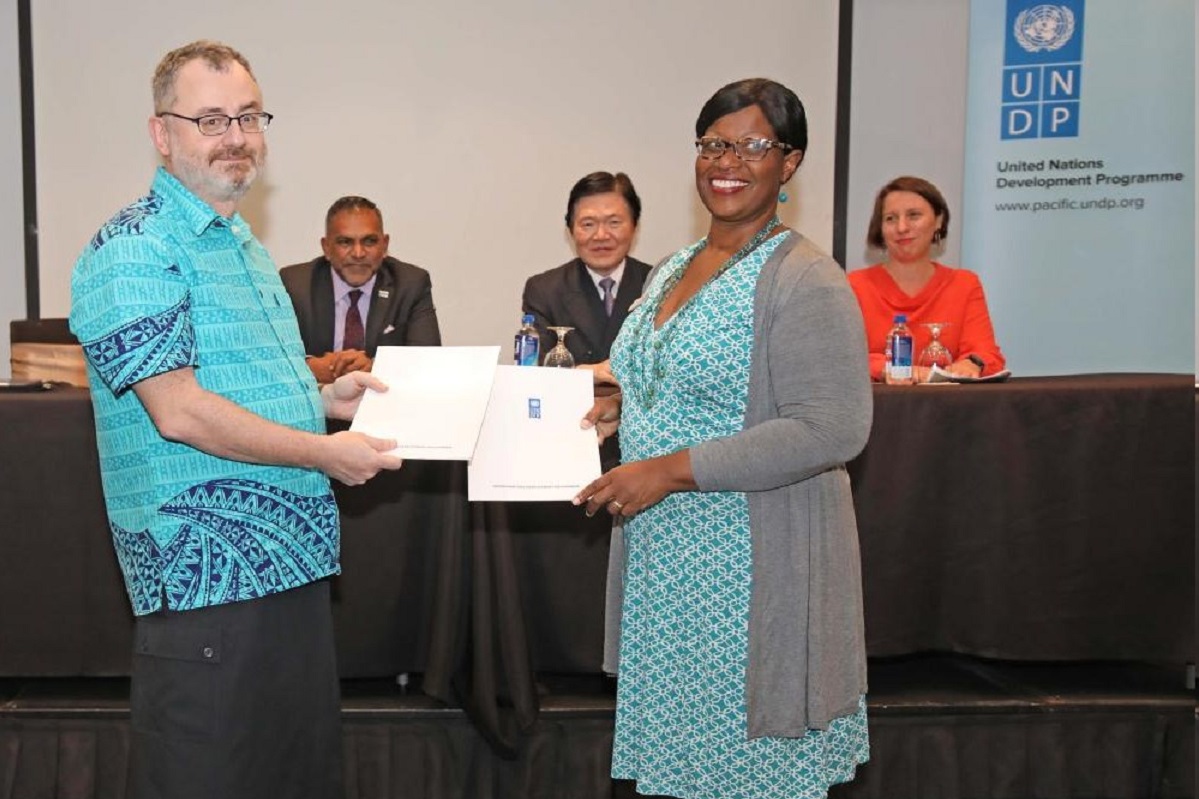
(964,368)
(633,487)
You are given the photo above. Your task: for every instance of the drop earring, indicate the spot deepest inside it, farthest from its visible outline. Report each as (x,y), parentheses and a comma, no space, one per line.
(783,196)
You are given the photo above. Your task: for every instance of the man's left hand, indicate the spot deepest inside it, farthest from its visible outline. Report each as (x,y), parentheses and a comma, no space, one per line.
(351,361)
(341,397)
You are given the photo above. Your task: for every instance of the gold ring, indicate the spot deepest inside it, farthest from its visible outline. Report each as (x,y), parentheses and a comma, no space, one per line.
(619,505)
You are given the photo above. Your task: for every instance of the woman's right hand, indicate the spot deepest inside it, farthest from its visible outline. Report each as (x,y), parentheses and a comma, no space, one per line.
(604,416)
(601,373)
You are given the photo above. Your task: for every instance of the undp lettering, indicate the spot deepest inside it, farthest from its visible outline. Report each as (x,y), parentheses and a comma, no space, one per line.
(1042,70)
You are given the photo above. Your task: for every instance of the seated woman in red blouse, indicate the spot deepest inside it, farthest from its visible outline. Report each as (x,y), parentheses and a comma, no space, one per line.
(910,218)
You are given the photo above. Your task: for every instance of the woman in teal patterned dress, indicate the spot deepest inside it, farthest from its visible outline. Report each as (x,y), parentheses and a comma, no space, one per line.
(744,392)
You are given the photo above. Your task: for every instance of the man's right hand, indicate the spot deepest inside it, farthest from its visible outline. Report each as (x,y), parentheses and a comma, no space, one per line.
(323,367)
(332,365)
(353,458)
(352,361)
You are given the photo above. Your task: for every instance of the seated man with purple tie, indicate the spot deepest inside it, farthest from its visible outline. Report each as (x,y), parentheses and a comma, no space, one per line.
(593,292)
(356,297)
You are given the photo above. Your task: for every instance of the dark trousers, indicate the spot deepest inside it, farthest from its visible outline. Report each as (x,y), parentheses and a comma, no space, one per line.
(238,700)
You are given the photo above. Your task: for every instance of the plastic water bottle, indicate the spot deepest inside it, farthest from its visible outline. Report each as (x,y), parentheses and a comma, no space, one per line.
(527,345)
(898,351)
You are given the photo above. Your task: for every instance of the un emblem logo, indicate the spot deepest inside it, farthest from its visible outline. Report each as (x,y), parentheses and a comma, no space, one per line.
(1042,69)
(1044,28)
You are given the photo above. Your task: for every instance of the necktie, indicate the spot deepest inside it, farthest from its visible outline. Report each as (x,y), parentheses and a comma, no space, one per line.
(355,337)
(609,297)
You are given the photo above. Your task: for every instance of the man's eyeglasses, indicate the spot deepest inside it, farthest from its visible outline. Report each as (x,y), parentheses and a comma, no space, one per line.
(216,124)
(747,149)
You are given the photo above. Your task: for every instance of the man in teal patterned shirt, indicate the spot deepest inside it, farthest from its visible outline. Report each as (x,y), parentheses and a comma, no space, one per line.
(215,461)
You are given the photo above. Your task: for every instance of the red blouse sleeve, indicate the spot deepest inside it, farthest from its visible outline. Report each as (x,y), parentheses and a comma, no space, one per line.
(978,335)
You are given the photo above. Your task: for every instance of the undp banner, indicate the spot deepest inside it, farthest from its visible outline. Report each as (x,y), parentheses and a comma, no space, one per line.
(1079,196)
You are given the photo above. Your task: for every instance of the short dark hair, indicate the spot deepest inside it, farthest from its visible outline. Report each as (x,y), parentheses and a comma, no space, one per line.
(218,57)
(603,183)
(780,105)
(351,202)
(874,234)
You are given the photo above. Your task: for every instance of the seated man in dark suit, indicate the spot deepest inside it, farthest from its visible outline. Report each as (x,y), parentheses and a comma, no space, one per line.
(593,292)
(356,297)
(602,213)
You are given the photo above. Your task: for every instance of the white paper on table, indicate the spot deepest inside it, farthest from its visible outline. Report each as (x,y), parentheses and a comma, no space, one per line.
(434,403)
(531,447)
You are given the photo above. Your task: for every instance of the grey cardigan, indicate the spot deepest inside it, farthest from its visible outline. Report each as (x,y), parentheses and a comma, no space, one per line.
(808,413)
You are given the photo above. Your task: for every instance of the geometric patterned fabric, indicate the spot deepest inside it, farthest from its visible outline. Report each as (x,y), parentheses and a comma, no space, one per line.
(681,716)
(169,283)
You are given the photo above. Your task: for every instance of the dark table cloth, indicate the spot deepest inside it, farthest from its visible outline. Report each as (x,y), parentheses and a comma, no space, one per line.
(1040,519)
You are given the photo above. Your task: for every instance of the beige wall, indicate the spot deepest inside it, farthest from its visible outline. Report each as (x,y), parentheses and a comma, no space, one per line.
(12,244)
(466,121)
(908,112)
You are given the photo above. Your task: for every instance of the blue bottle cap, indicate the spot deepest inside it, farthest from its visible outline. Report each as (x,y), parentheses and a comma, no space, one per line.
(901,318)
(527,319)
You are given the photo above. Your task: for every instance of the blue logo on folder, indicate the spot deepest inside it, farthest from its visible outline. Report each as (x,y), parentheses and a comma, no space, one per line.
(1042,69)
(534,408)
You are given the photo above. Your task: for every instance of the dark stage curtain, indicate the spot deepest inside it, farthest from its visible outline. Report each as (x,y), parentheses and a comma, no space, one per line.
(1097,755)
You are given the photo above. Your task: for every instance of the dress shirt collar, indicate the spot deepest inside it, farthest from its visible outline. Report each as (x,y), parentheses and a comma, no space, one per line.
(341,289)
(199,215)
(616,274)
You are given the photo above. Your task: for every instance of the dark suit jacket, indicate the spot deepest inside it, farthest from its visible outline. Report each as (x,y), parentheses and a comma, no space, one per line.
(567,295)
(401,311)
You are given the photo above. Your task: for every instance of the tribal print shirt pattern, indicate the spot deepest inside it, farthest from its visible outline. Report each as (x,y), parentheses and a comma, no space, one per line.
(169,283)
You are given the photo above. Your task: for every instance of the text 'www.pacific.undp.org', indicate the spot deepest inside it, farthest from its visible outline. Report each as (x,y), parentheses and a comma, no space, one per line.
(1066,204)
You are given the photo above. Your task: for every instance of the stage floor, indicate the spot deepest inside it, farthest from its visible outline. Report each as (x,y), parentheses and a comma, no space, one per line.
(941,726)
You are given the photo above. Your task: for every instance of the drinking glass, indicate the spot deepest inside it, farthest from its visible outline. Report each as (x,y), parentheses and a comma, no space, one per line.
(936,353)
(560,356)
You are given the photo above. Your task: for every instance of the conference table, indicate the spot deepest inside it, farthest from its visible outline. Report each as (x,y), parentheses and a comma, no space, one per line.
(1039,519)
